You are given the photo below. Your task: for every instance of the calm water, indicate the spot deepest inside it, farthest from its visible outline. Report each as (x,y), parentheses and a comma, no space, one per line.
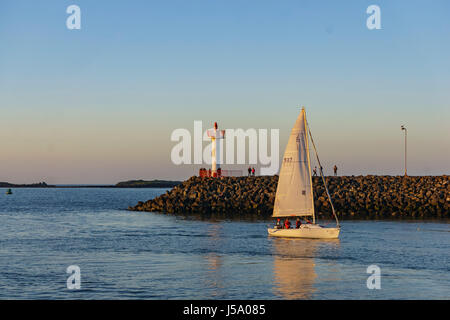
(125,255)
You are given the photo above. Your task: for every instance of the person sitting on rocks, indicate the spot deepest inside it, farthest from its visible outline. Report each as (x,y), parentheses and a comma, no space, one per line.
(298,223)
(278,225)
(287,224)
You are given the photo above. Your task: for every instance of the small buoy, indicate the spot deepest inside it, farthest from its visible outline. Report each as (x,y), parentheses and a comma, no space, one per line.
(8,191)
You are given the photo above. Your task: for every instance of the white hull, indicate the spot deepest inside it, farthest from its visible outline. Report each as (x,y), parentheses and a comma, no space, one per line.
(306,231)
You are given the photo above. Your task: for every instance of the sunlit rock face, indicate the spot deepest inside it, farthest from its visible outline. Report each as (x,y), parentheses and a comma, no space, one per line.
(359,197)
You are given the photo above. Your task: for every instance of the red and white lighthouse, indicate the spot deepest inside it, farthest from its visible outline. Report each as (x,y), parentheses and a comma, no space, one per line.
(215,135)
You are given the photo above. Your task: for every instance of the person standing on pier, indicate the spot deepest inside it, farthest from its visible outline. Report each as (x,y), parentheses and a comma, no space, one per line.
(335,170)
(249,171)
(253,171)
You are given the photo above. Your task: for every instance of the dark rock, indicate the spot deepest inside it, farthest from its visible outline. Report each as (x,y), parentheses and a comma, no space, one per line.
(366,197)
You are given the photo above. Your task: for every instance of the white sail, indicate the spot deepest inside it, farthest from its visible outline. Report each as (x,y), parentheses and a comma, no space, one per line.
(294,195)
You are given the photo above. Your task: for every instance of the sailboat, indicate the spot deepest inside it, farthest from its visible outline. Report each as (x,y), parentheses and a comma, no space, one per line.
(294,197)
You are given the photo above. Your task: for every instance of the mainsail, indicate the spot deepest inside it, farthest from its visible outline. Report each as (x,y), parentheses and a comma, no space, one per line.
(294,195)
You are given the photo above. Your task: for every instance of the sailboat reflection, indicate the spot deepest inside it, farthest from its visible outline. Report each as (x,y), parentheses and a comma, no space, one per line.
(214,261)
(294,266)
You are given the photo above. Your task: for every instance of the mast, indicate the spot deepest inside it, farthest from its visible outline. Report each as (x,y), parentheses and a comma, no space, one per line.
(321,174)
(309,165)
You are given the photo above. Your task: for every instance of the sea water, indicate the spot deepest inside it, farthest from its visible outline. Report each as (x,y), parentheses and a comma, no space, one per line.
(144,255)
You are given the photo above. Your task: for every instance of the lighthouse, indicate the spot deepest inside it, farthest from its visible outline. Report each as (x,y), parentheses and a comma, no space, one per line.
(215,135)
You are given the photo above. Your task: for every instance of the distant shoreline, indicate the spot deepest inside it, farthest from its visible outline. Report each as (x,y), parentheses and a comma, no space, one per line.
(120,185)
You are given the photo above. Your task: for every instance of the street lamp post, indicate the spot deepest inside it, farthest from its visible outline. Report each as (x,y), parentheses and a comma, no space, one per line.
(406,134)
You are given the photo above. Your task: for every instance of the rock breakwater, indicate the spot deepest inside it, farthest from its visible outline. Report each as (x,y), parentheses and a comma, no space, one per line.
(358,197)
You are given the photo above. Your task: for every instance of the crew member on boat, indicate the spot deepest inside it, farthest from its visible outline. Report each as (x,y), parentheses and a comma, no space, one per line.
(298,223)
(287,224)
(278,225)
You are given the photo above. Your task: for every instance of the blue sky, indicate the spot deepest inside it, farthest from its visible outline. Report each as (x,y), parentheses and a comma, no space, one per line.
(98,105)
